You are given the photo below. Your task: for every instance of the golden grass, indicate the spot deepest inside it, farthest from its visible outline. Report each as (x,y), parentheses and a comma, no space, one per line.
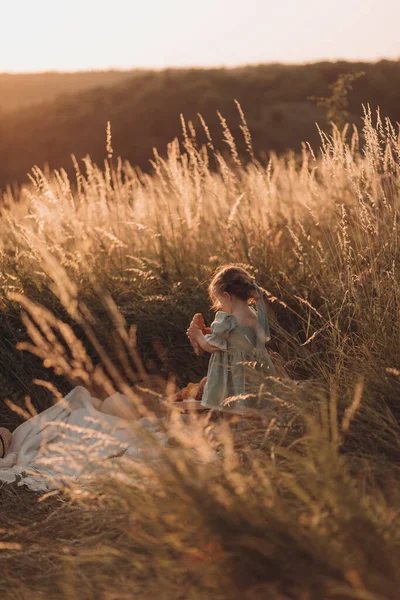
(262,509)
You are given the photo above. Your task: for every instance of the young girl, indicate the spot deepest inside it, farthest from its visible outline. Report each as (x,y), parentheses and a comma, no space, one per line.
(236,342)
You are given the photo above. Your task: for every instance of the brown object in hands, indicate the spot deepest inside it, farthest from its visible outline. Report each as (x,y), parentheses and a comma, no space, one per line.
(5,441)
(198,321)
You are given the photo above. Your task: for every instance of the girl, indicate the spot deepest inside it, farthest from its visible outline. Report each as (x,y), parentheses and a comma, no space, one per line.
(236,342)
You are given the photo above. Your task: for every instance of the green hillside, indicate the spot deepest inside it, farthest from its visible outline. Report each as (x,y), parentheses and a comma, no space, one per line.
(145,109)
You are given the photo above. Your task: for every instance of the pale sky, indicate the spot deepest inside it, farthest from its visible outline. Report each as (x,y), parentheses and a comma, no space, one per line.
(68,35)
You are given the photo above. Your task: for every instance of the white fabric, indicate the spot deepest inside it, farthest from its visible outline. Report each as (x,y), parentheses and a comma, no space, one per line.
(73,438)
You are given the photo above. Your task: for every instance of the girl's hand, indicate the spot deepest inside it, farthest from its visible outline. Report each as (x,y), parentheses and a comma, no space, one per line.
(194,333)
(199,342)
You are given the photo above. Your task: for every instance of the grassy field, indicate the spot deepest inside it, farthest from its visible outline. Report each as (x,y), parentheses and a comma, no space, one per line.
(100,277)
(49,116)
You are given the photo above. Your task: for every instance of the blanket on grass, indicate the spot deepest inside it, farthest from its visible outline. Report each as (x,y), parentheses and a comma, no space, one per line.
(73,438)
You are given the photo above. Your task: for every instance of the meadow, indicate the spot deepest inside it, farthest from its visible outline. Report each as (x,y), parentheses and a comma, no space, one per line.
(100,276)
(44,118)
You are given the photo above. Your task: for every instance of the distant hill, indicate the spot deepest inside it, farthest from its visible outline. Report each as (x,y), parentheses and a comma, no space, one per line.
(20,90)
(144,110)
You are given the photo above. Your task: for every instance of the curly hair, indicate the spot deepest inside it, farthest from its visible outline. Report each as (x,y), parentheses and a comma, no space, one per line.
(233,280)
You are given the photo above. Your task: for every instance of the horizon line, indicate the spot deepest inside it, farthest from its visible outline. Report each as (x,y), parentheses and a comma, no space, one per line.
(198,67)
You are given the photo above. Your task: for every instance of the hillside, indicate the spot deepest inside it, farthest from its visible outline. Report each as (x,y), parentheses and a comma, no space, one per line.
(19,90)
(144,111)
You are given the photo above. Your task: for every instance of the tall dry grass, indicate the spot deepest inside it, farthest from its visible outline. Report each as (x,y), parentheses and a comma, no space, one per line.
(279,512)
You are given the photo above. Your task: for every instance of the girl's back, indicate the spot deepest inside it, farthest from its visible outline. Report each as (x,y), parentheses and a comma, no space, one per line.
(232,377)
(239,363)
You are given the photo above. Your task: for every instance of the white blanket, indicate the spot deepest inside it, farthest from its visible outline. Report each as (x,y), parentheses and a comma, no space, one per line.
(72,438)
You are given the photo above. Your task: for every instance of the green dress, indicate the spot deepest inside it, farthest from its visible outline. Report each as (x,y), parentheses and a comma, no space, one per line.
(237,377)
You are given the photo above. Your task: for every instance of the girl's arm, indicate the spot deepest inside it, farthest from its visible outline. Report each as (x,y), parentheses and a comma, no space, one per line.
(206,346)
(195,334)
(198,322)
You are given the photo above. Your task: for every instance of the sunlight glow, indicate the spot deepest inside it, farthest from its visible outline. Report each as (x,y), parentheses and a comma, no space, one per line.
(93,34)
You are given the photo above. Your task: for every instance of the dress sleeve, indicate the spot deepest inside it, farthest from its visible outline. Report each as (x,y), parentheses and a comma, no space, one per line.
(221,328)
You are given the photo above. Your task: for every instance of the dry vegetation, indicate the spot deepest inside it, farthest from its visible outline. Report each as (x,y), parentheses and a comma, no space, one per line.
(307,511)
(66,113)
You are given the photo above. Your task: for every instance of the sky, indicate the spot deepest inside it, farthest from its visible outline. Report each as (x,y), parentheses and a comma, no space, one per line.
(71,35)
